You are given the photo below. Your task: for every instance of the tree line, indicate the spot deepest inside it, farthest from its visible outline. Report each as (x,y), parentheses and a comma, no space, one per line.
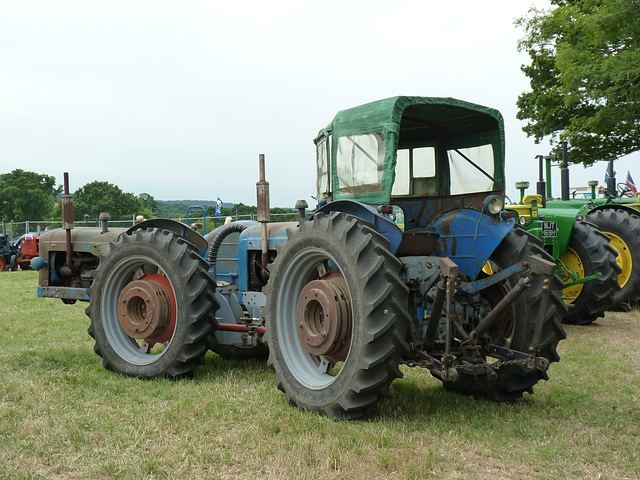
(30,196)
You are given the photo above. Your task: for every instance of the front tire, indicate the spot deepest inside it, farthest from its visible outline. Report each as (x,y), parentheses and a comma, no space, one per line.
(589,253)
(336,316)
(152,306)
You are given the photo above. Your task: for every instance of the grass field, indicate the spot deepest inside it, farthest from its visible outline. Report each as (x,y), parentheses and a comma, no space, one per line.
(62,416)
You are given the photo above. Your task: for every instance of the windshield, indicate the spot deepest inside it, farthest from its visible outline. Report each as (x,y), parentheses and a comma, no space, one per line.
(360,163)
(465,178)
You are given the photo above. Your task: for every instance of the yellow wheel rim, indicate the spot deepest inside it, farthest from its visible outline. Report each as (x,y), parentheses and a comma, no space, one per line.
(623,258)
(488,269)
(571,260)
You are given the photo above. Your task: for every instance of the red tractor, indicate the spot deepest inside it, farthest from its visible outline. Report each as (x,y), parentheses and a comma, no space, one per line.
(27,249)
(5,252)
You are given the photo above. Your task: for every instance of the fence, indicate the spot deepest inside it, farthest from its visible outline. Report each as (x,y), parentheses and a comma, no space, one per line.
(16,229)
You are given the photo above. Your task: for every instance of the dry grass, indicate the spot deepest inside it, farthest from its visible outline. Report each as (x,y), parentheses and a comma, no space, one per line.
(63,416)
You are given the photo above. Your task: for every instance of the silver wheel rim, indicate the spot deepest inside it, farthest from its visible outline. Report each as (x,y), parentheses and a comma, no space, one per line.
(127,348)
(309,370)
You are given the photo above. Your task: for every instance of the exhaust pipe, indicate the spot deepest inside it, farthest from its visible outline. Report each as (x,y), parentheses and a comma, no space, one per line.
(564,172)
(540,185)
(67,221)
(264,214)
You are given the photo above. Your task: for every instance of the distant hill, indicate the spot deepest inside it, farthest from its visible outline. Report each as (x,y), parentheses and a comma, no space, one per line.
(176,208)
(198,203)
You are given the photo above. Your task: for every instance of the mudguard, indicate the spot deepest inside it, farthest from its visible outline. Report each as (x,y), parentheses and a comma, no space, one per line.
(382,224)
(469,238)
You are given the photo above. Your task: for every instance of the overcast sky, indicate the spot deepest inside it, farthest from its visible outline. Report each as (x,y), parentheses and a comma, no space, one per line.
(178,99)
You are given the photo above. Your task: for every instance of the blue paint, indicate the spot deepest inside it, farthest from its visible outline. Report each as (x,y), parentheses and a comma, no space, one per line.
(473,234)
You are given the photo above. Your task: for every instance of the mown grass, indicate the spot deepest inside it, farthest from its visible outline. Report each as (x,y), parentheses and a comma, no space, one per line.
(63,416)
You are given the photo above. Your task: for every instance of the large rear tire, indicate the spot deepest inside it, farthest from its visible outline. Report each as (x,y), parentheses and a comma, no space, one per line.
(152,306)
(517,326)
(589,253)
(623,230)
(336,316)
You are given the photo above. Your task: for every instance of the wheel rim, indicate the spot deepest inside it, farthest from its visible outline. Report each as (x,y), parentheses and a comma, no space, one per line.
(315,361)
(139,311)
(571,260)
(623,257)
(2,264)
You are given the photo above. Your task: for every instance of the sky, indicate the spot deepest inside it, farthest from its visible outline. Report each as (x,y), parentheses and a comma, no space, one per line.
(178,99)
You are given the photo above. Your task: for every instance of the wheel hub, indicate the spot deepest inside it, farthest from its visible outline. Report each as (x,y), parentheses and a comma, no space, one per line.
(144,309)
(323,316)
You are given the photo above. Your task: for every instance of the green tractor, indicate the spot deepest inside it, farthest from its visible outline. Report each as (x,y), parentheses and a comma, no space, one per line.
(585,260)
(614,214)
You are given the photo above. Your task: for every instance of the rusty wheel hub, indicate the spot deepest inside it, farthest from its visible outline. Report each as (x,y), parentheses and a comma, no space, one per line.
(144,309)
(323,316)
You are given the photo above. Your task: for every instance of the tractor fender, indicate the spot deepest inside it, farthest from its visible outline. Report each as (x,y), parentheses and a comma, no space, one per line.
(179,228)
(381,223)
(469,238)
(631,209)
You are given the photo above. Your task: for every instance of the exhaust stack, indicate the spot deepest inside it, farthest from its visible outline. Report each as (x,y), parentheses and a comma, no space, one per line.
(264,216)
(67,220)
(564,172)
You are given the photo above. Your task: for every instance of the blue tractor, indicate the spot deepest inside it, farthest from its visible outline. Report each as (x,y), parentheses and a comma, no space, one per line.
(339,300)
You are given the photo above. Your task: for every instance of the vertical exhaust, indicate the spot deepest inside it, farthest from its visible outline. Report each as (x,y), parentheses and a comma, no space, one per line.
(564,172)
(67,218)
(540,185)
(611,178)
(264,216)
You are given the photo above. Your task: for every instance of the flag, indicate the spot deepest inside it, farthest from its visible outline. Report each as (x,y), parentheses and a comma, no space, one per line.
(218,207)
(631,187)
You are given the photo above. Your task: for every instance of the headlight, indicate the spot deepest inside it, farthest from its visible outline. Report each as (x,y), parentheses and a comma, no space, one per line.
(493,205)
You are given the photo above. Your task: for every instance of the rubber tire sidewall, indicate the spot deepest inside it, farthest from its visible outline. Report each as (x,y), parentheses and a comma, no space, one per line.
(597,256)
(188,343)
(344,397)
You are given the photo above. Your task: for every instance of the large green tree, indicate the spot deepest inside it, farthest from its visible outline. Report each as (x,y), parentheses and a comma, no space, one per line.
(27,195)
(97,197)
(585,77)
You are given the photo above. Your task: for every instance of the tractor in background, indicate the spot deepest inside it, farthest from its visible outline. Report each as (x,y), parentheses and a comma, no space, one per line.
(343,297)
(23,250)
(5,252)
(586,261)
(615,215)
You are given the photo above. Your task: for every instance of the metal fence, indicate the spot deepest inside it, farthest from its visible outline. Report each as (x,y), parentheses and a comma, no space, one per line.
(16,229)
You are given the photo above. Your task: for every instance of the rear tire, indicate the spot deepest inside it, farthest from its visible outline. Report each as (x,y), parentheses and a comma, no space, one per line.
(589,252)
(623,230)
(340,253)
(161,262)
(517,328)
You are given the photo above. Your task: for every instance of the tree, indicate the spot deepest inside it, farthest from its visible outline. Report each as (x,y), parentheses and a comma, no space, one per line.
(97,197)
(148,202)
(27,195)
(585,77)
